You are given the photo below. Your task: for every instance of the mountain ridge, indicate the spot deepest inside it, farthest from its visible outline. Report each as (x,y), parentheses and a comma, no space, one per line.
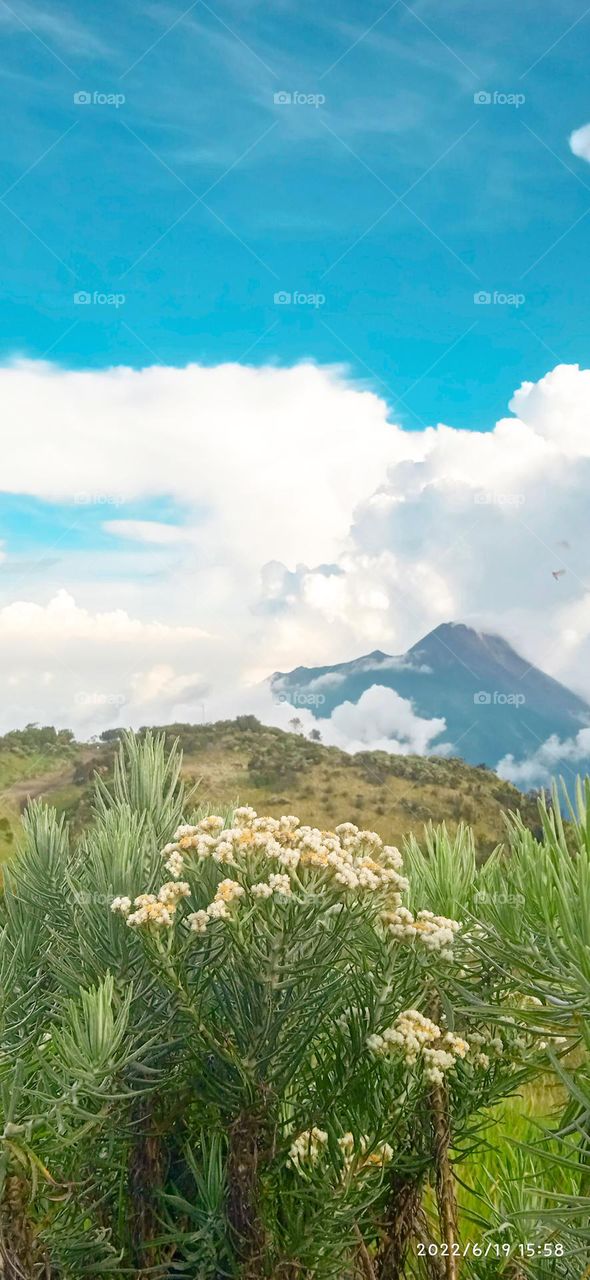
(495,702)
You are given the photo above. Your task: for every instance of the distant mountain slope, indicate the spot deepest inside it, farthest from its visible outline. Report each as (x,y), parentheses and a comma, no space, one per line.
(493,701)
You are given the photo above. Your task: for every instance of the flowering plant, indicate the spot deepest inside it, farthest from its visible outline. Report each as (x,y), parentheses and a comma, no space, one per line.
(237,1045)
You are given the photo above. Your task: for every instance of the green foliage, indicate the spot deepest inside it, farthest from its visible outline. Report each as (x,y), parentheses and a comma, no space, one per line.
(279,763)
(217,1096)
(34,738)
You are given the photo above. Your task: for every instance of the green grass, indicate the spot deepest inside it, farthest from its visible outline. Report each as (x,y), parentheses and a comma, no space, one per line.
(501,1183)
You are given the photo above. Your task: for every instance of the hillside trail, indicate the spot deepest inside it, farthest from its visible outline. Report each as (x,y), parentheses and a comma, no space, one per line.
(43,784)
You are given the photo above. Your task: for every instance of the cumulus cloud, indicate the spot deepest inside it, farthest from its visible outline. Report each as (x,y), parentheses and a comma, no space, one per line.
(66,665)
(308,529)
(382,721)
(247,450)
(552,757)
(579,142)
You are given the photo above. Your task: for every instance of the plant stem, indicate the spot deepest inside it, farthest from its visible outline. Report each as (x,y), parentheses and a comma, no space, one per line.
(243,1200)
(402,1213)
(445,1183)
(364,1256)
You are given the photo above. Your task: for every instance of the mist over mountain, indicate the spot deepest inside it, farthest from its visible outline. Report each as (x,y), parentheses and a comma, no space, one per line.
(497,708)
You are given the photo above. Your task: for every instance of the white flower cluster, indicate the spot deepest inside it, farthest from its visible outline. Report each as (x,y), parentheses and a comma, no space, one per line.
(152,909)
(276,883)
(357,1154)
(479,1043)
(347,859)
(356,859)
(308,1146)
(228,891)
(415,1035)
(436,933)
(121,906)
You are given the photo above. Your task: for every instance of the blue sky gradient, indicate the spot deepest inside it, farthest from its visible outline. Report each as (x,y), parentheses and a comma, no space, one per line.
(397,199)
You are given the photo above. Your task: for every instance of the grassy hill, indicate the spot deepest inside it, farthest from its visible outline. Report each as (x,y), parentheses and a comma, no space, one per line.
(275,771)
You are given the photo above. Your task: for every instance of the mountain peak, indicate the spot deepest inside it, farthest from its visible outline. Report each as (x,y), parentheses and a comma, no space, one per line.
(491,702)
(451,630)
(457,639)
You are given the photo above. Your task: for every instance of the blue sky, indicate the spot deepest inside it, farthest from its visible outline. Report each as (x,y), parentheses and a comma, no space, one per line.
(199,197)
(253,253)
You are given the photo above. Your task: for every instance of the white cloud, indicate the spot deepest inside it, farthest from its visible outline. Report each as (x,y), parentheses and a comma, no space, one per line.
(553,757)
(579,142)
(330,680)
(146,531)
(71,667)
(249,450)
(381,721)
(61,620)
(311,530)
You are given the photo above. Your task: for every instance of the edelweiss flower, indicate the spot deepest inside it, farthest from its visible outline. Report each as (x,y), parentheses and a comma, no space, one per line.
(211,825)
(245,815)
(340,863)
(217,910)
(436,933)
(152,912)
(175,863)
(308,1146)
(227,890)
(170,893)
(280,884)
(262,890)
(185,830)
(198,921)
(415,1035)
(121,905)
(355,1153)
